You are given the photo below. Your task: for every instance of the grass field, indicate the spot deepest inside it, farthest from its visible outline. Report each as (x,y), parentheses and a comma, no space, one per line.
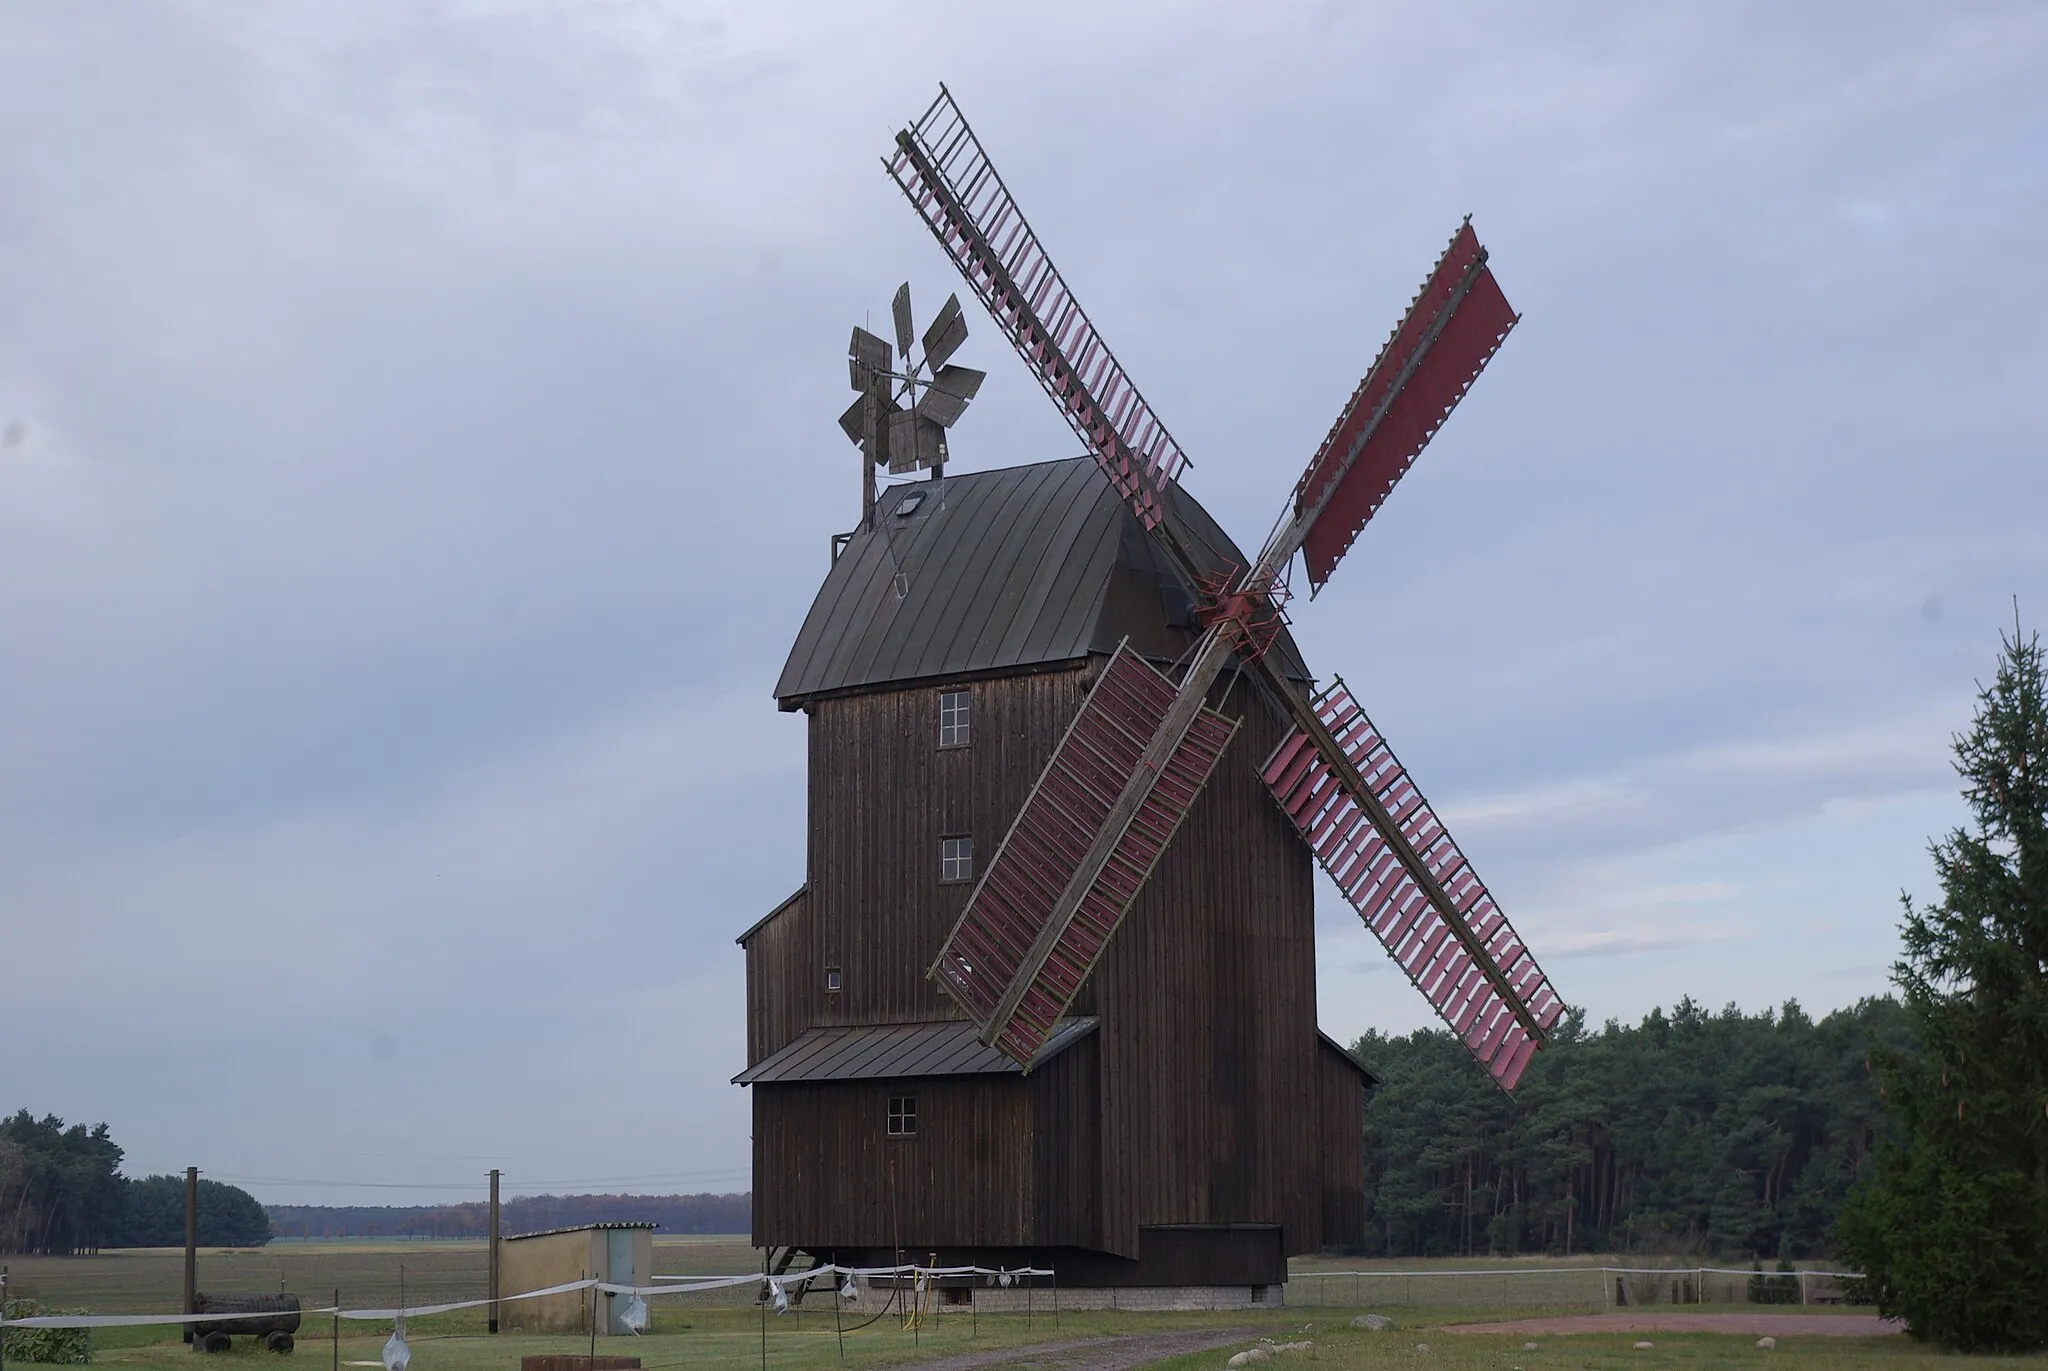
(724,1330)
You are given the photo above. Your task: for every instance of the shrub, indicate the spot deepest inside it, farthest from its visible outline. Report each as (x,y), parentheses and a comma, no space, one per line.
(50,1346)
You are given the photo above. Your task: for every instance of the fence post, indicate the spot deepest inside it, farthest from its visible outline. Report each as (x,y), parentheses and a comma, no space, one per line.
(191,1244)
(494,1250)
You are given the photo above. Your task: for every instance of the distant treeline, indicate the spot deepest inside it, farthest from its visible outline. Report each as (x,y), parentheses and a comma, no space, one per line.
(526,1214)
(62,1191)
(1727,1133)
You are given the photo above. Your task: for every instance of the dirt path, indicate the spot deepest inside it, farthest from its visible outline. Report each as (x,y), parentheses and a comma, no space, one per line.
(1121,1353)
(1750,1325)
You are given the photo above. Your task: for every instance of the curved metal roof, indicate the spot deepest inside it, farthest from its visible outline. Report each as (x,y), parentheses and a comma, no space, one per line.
(996,571)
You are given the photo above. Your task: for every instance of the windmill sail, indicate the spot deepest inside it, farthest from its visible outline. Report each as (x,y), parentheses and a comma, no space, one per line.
(940,166)
(1104,809)
(1482,979)
(1140,751)
(1452,329)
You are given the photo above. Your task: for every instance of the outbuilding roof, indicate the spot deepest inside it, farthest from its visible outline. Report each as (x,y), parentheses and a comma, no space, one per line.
(580,1228)
(899,1051)
(1372,1081)
(993,571)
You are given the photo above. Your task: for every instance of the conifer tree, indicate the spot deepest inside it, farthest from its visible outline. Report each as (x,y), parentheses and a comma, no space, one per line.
(1951,1229)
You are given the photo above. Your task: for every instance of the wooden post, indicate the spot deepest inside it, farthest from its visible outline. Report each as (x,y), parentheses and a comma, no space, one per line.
(191,1245)
(494,1249)
(837,1330)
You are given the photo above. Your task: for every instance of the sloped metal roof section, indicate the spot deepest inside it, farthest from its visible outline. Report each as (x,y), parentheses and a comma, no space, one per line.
(605,1226)
(899,1052)
(993,571)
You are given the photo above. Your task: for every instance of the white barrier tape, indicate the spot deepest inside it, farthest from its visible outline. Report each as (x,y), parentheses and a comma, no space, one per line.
(814,1272)
(698,1283)
(136,1320)
(328,1310)
(677,1285)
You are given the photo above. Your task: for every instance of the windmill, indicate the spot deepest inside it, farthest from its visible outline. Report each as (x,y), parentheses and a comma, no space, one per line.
(900,419)
(1143,745)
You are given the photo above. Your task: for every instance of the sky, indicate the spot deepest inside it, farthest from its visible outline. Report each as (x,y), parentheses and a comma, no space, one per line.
(417,452)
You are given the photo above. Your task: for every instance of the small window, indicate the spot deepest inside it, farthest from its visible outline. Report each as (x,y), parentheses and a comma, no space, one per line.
(1258,1294)
(902,1116)
(953,718)
(907,506)
(956,859)
(832,980)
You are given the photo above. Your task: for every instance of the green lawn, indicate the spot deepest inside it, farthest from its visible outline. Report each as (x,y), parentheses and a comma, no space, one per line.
(723,1330)
(730,1340)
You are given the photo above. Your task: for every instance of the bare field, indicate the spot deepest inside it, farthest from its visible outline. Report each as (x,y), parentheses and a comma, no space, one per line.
(367,1274)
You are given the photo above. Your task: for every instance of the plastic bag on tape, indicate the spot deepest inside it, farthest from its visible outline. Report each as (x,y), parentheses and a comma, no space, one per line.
(781,1297)
(849,1291)
(634,1315)
(397,1356)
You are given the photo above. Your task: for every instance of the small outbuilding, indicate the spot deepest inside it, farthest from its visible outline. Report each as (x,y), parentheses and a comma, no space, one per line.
(617,1253)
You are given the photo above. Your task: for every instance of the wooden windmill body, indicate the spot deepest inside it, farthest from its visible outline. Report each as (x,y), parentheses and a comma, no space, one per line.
(1047,996)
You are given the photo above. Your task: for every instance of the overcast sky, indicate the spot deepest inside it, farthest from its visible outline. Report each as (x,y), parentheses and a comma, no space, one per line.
(417,453)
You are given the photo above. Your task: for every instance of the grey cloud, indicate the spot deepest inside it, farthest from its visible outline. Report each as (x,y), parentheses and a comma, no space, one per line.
(427,452)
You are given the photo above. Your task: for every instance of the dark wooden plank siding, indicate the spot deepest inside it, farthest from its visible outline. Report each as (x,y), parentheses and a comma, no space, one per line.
(1067,1172)
(1198,1102)
(882,794)
(1341,1134)
(781,994)
(827,1173)
(1207,998)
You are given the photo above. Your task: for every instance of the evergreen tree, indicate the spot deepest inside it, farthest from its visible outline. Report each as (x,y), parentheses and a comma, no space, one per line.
(1726,1133)
(1952,1227)
(153,1215)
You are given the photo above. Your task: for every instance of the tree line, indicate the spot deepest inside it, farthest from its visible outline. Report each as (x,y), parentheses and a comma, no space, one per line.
(524,1214)
(1728,1134)
(62,1192)
(1909,1136)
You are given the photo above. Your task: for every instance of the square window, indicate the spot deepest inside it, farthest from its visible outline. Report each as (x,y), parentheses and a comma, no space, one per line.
(832,980)
(902,1116)
(953,718)
(956,859)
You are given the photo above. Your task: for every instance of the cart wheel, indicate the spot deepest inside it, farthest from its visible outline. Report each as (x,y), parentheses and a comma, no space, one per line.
(279,1342)
(215,1342)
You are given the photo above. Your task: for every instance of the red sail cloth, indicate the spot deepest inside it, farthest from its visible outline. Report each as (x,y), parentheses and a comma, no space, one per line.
(1468,339)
